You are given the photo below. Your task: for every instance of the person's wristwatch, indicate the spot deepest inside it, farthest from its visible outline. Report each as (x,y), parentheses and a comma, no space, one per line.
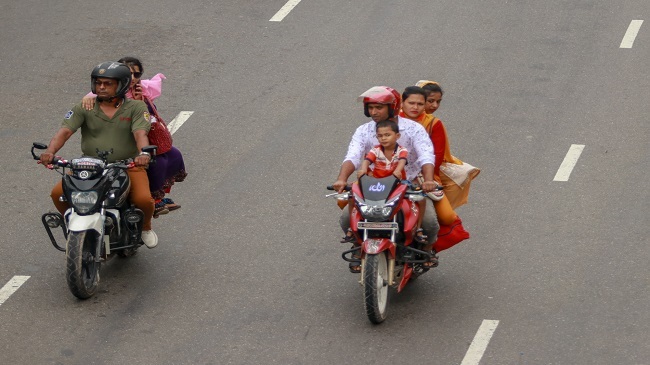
(145,154)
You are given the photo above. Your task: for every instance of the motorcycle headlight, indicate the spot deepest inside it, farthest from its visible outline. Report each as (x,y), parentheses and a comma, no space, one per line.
(83,201)
(376,212)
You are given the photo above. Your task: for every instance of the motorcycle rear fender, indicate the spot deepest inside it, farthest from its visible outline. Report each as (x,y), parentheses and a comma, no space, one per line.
(79,223)
(373,246)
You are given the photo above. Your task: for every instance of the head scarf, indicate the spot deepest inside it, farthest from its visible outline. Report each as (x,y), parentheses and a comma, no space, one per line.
(423,83)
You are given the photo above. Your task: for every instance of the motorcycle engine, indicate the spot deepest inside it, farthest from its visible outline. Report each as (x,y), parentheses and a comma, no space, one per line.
(110,229)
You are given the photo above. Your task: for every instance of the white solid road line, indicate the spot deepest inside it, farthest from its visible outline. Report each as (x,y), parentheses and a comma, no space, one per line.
(630,35)
(11,287)
(284,11)
(569,162)
(178,121)
(480,342)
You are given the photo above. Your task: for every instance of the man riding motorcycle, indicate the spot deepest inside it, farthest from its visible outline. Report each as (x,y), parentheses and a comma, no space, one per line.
(382,103)
(115,124)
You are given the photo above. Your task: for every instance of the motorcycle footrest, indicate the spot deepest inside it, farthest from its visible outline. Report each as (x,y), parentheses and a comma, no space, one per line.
(350,252)
(53,220)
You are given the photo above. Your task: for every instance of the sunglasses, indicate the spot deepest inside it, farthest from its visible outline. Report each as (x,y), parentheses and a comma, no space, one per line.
(137,75)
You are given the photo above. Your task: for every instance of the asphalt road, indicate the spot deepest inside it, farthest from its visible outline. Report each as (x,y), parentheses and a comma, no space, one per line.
(248,271)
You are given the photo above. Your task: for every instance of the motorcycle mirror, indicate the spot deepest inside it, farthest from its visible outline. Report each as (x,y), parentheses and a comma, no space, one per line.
(151,149)
(38,146)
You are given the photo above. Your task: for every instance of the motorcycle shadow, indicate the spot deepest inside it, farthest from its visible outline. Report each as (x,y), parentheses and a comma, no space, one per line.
(122,272)
(417,291)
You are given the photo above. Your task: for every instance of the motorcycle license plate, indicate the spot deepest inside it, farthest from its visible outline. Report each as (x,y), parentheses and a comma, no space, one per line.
(390,226)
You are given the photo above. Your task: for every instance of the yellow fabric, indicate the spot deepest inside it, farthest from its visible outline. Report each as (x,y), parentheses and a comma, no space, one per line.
(445,211)
(420,119)
(457,195)
(423,83)
(454,194)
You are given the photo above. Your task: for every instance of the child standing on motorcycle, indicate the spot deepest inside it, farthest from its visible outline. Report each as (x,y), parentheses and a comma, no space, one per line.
(388,157)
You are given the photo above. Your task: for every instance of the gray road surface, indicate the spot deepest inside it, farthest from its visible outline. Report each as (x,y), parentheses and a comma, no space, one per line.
(248,271)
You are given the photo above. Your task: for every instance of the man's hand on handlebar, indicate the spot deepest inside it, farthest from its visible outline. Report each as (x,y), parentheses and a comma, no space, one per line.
(339,185)
(429,186)
(46,158)
(142,160)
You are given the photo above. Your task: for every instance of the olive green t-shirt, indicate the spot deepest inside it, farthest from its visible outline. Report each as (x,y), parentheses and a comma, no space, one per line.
(100,132)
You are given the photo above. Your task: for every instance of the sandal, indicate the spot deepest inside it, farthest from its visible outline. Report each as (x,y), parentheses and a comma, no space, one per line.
(355,267)
(160,209)
(420,237)
(349,237)
(433,261)
(170,205)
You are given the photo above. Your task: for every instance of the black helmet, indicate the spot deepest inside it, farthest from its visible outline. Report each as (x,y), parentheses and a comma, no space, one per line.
(112,70)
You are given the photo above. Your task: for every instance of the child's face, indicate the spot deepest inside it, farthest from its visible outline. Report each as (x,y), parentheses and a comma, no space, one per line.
(387,137)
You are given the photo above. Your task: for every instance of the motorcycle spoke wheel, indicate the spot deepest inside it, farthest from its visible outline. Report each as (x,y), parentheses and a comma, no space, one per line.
(375,281)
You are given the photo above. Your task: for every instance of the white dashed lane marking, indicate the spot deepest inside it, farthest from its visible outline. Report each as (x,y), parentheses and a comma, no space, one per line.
(284,10)
(11,287)
(178,121)
(569,162)
(630,35)
(480,342)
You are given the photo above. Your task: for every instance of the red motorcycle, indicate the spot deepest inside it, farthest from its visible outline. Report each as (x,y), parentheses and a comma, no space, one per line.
(384,222)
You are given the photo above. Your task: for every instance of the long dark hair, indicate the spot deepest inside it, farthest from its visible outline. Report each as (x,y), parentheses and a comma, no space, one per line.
(433,88)
(131,61)
(411,90)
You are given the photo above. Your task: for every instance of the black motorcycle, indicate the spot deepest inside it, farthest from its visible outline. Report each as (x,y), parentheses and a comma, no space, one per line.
(100,223)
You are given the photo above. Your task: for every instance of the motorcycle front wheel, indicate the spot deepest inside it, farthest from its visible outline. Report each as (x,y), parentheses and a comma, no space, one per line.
(82,272)
(375,286)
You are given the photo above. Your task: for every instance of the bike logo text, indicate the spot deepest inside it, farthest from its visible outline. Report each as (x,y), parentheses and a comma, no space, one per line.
(378,188)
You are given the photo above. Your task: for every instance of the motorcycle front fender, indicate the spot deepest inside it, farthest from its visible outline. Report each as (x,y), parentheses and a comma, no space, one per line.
(374,246)
(79,223)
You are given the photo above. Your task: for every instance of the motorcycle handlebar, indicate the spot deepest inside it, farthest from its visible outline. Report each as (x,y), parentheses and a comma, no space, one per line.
(347,188)
(58,161)
(123,164)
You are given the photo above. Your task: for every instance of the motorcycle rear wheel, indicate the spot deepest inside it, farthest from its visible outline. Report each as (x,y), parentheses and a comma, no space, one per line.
(375,280)
(82,272)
